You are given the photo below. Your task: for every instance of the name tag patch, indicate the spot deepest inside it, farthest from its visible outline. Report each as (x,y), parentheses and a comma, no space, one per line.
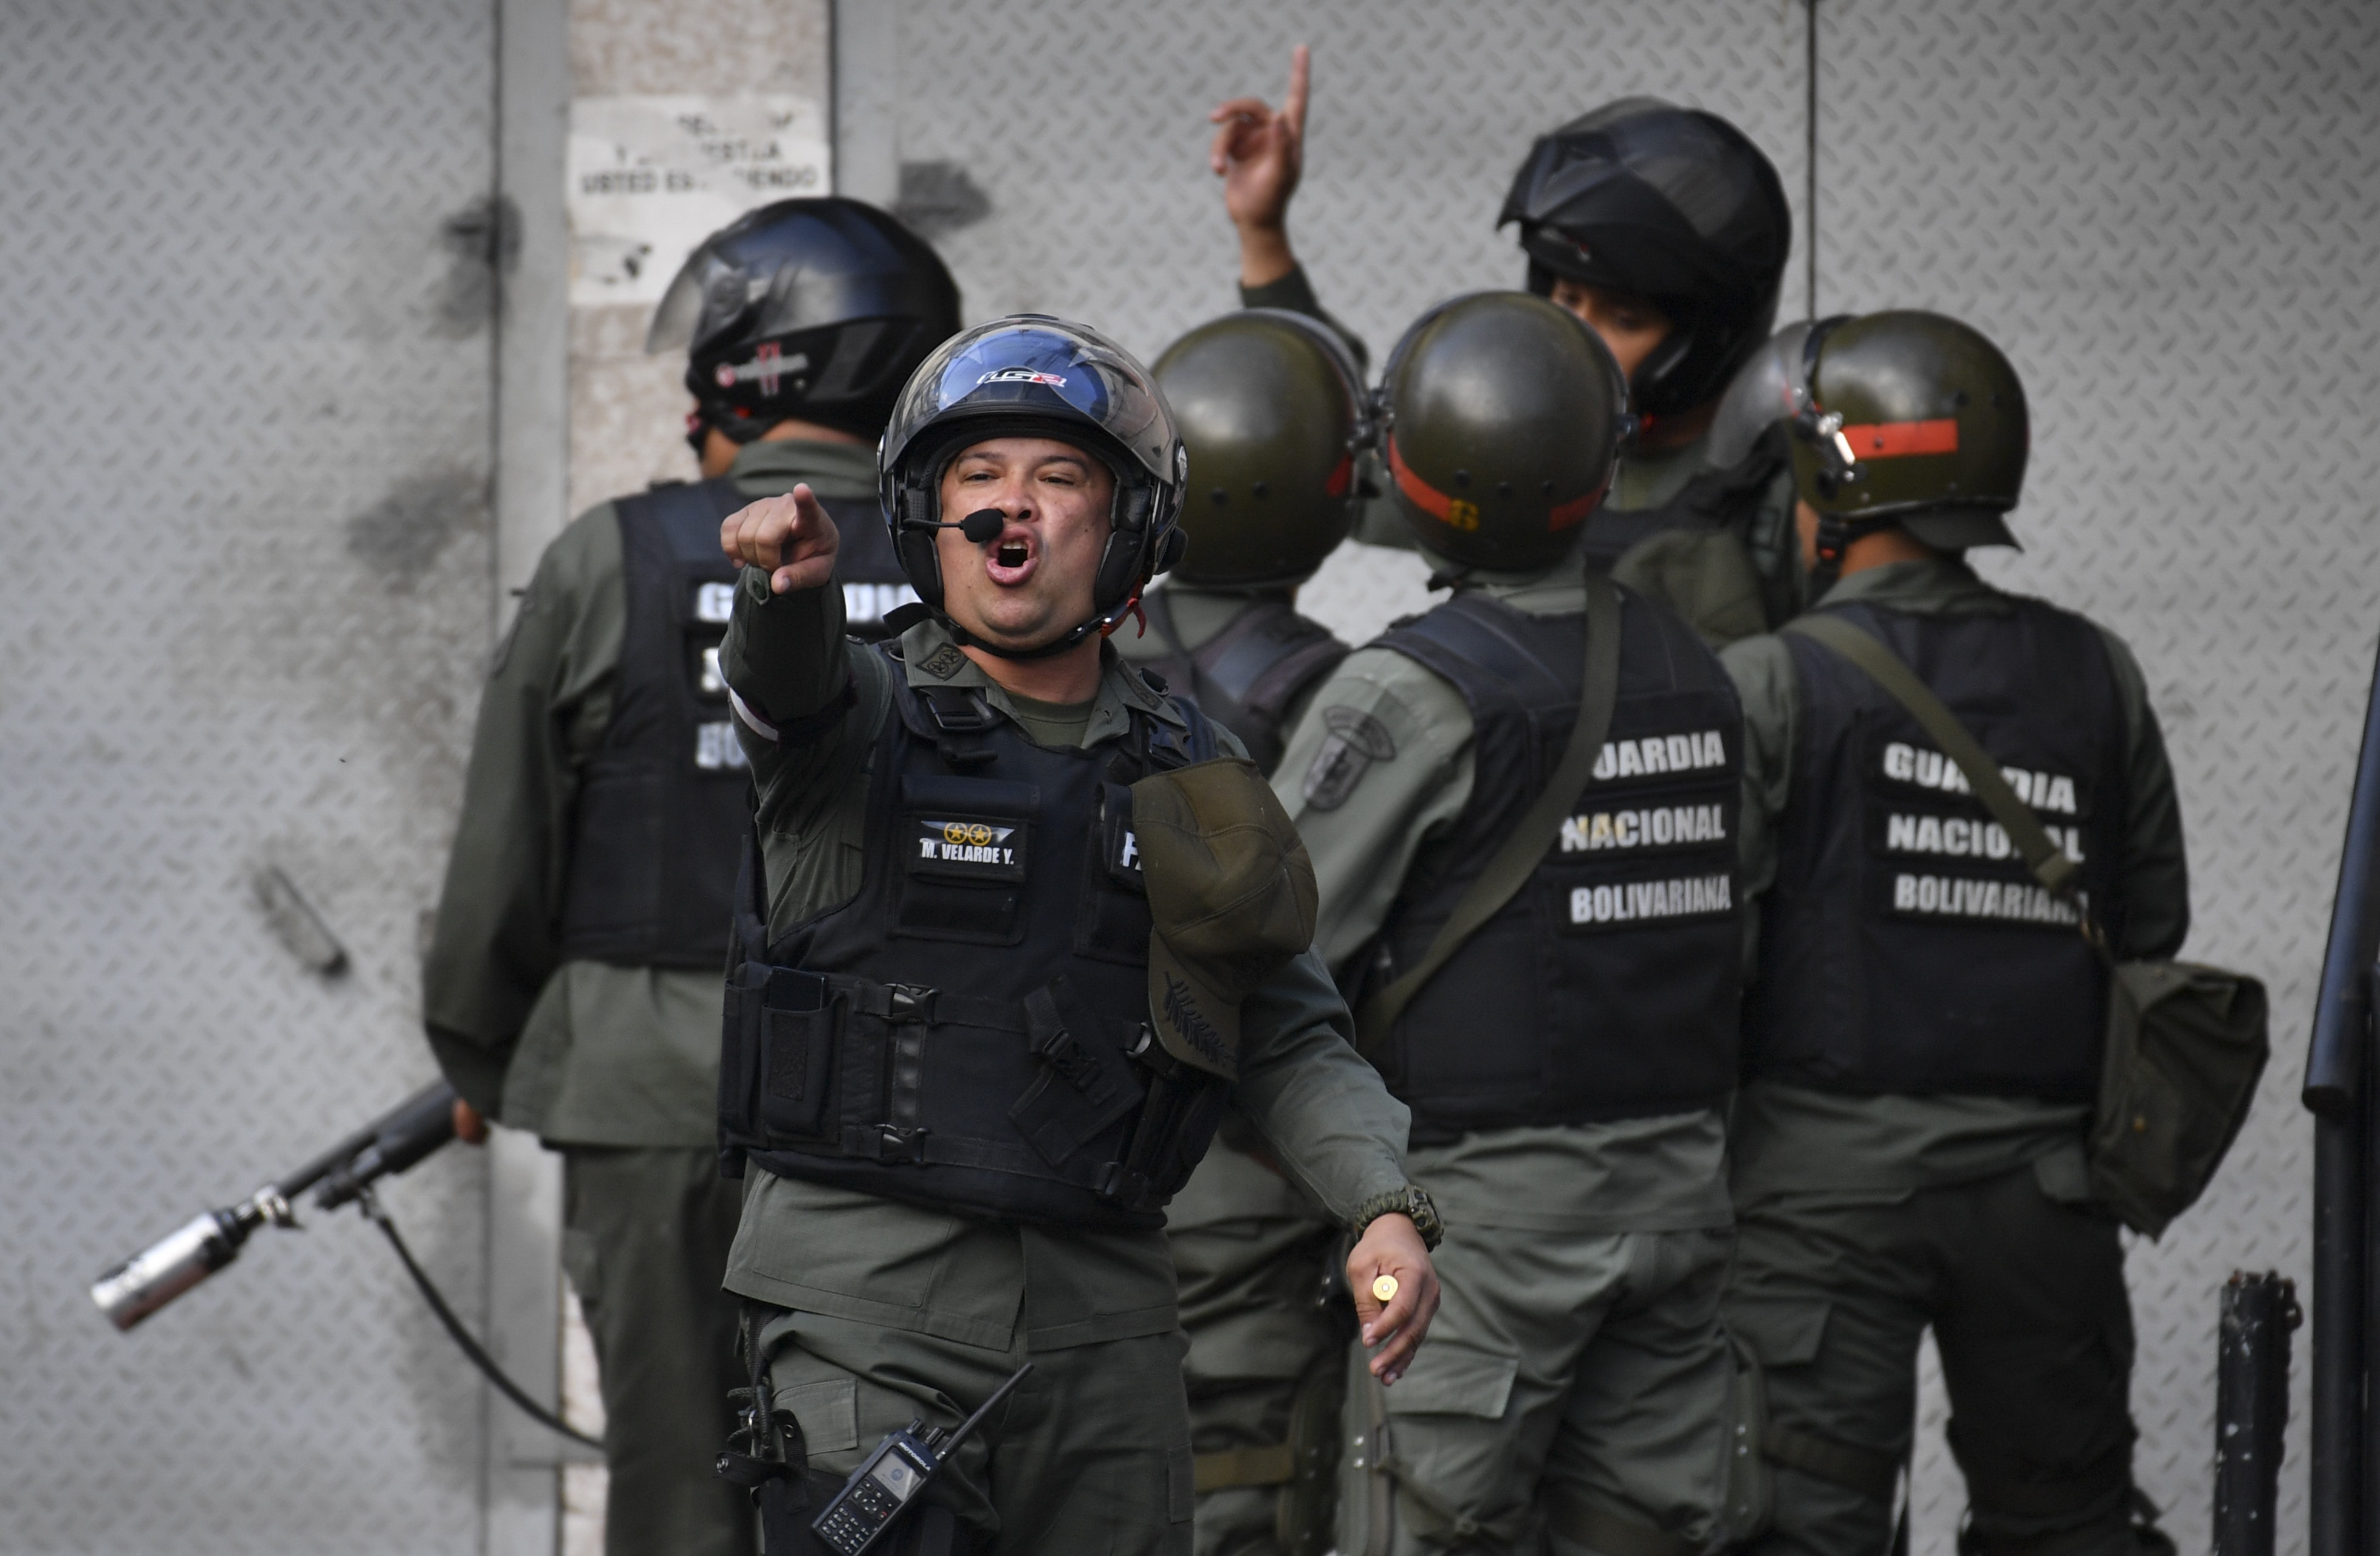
(1652,827)
(967,848)
(1623,903)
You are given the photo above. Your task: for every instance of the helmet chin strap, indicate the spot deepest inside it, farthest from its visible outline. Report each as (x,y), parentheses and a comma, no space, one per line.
(1836,535)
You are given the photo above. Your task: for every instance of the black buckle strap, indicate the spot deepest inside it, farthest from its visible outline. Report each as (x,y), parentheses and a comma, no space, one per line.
(896,1001)
(964,721)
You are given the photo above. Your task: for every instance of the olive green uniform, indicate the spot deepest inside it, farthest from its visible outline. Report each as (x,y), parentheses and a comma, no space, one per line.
(616,1067)
(886,1312)
(1726,584)
(1577,1371)
(1253,1256)
(1861,1221)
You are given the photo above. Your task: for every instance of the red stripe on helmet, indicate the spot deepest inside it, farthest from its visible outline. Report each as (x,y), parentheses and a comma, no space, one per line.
(1895,440)
(1421,493)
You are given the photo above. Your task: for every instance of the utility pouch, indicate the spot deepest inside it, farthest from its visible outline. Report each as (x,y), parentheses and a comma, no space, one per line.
(798,1028)
(2185,1043)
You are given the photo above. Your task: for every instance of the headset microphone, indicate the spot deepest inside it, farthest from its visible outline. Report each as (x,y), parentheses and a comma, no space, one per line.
(984,524)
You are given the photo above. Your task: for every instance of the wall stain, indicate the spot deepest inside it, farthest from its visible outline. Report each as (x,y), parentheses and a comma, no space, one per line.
(483,243)
(400,537)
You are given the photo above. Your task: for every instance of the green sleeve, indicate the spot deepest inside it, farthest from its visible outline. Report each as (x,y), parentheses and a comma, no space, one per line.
(1321,1107)
(1364,835)
(2153,875)
(543,712)
(1762,669)
(786,663)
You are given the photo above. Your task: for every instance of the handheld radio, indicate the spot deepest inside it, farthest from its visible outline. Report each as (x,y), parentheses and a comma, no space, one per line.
(887,1482)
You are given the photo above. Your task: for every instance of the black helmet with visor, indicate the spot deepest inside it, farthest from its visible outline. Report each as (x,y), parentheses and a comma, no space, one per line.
(1032,375)
(1672,204)
(816,309)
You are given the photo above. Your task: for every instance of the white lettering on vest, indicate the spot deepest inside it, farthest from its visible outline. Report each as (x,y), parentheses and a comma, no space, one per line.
(715,747)
(1904,763)
(1634,900)
(867,604)
(1960,838)
(1951,896)
(1637,828)
(1661,753)
(714,602)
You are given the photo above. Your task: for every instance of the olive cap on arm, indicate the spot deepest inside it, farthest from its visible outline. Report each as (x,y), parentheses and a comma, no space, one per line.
(1231,897)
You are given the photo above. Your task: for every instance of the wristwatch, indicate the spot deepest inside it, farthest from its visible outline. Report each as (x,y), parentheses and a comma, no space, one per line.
(1410,1203)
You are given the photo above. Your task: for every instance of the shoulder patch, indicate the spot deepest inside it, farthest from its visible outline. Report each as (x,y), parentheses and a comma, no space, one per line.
(944,662)
(1356,740)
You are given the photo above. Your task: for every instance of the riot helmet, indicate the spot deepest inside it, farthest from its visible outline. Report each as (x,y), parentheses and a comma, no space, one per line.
(1271,410)
(1674,204)
(1032,375)
(1502,418)
(1907,419)
(816,309)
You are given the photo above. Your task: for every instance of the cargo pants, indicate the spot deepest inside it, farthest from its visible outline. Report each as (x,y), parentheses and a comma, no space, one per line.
(1267,1346)
(2025,1294)
(645,1239)
(1090,1452)
(1574,1395)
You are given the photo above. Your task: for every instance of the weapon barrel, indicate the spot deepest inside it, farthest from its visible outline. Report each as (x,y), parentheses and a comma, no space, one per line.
(167,1268)
(2251,1410)
(171,1265)
(397,1141)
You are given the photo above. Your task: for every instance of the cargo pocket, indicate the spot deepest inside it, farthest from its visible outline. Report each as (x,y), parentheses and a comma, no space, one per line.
(828,1410)
(1181,1485)
(1447,1380)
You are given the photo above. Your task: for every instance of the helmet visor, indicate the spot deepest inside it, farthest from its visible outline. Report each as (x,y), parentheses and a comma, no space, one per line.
(1031,369)
(1772,387)
(682,307)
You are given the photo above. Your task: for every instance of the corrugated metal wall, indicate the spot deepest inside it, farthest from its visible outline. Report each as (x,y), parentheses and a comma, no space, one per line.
(2164,212)
(248,371)
(247,596)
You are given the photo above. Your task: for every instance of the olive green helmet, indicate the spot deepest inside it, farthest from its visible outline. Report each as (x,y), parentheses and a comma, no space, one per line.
(1912,419)
(1502,416)
(1270,407)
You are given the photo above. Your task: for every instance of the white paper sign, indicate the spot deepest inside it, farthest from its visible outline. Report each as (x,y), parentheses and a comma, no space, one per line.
(652,176)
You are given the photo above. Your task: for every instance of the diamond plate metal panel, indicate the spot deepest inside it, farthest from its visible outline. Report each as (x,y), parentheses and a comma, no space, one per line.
(246,327)
(2166,214)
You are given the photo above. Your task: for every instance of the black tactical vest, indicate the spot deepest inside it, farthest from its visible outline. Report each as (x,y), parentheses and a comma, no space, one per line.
(1752,499)
(1608,986)
(970,1032)
(663,803)
(1247,675)
(1905,948)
